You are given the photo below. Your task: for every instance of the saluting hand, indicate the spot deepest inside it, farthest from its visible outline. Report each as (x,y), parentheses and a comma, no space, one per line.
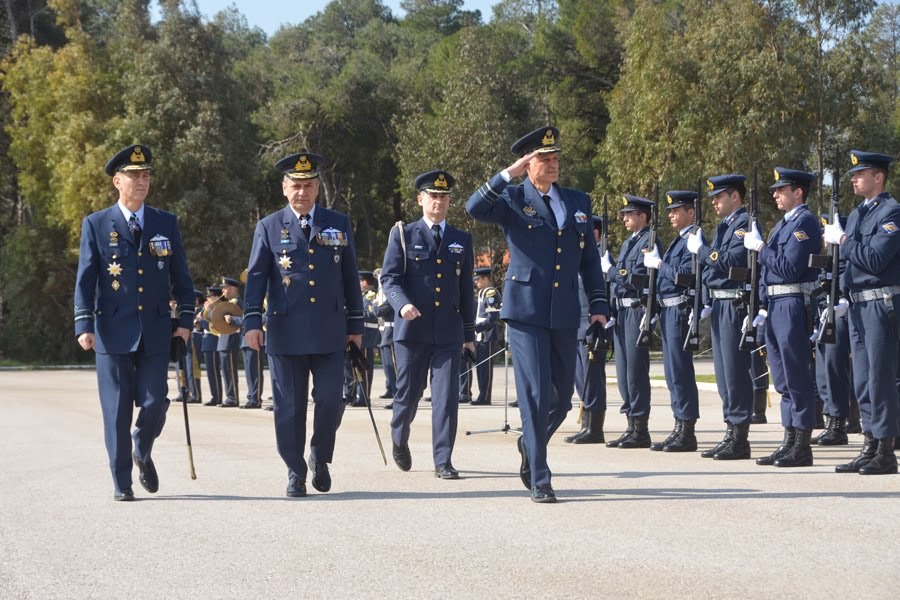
(517,169)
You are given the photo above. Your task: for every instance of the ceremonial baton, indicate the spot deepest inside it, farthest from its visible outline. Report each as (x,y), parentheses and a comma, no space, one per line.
(360,368)
(182,381)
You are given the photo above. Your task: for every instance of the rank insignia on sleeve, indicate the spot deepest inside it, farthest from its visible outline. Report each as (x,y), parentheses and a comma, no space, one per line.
(890,228)
(114,269)
(529,211)
(801,236)
(455,248)
(284,262)
(739,233)
(580,217)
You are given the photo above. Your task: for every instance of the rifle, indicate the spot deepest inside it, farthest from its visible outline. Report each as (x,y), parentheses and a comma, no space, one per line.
(751,287)
(604,248)
(646,333)
(692,339)
(830,260)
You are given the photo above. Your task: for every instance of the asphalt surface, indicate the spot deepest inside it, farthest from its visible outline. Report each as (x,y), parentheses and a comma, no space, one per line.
(629,524)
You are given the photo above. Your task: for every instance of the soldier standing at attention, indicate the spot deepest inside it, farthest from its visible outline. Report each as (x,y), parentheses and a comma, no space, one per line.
(487,332)
(548,231)
(131,257)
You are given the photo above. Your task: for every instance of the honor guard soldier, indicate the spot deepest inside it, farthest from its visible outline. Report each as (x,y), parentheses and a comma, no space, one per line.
(548,230)
(487,332)
(731,364)
(385,313)
(632,363)
(369,289)
(674,297)
(303,263)
(871,282)
(208,346)
(229,345)
(427,278)
(785,307)
(131,257)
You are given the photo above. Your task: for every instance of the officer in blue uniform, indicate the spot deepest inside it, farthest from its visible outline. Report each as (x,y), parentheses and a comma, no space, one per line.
(548,230)
(131,257)
(385,313)
(208,346)
(253,365)
(674,295)
(487,332)
(632,363)
(731,364)
(229,346)
(427,278)
(303,263)
(871,282)
(786,281)
(352,396)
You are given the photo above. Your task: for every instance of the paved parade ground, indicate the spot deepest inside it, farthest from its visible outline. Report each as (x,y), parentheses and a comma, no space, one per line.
(629,524)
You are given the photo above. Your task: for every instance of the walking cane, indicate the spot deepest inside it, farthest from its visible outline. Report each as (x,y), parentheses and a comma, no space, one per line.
(182,381)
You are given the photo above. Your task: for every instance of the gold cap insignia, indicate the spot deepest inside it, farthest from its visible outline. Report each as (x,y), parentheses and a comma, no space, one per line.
(777,175)
(441,182)
(710,185)
(303,164)
(549,139)
(137,155)
(624,201)
(669,199)
(853,160)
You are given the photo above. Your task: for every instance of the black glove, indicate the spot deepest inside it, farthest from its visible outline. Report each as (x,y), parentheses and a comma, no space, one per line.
(596,341)
(177,349)
(468,355)
(358,361)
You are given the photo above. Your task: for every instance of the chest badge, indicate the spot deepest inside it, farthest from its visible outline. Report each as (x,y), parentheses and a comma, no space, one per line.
(114,269)
(580,217)
(285,262)
(529,211)
(455,248)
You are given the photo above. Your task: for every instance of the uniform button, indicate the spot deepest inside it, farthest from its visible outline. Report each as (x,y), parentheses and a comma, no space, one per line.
(438,275)
(311,251)
(557,267)
(439,261)
(530,226)
(141,290)
(437,289)
(559,233)
(312,267)
(140,253)
(555,284)
(513,277)
(437,303)
(311,282)
(114,256)
(140,307)
(140,271)
(558,250)
(313,300)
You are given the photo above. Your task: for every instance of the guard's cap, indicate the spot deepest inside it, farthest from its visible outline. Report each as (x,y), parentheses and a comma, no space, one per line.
(483,271)
(214,290)
(368,277)
(597,221)
(869,160)
(434,182)
(199,294)
(632,203)
(545,139)
(784,177)
(133,158)
(230,281)
(679,198)
(302,165)
(719,183)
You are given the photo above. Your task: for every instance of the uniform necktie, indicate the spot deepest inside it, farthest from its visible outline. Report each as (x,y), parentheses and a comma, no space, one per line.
(437,234)
(135,228)
(304,225)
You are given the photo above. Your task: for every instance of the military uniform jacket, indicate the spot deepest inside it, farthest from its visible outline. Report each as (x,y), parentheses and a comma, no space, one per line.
(437,281)
(726,251)
(541,286)
(122,291)
(630,262)
(485,321)
(311,286)
(677,260)
(785,257)
(371,336)
(872,246)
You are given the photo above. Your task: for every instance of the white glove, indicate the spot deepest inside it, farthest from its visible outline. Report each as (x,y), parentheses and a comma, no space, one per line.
(610,322)
(833,231)
(760,317)
(694,242)
(654,319)
(815,335)
(705,312)
(605,262)
(752,239)
(652,259)
(841,308)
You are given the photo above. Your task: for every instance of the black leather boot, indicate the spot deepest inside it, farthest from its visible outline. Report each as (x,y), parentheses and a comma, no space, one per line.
(594,432)
(729,431)
(866,453)
(658,446)
(737,448)
(835,433)
(585,419)
(786,444)
(760,402)
(627,434)
(884,462)
(800,454)
(686,440)
(641,436)
(853,424)
(820,418)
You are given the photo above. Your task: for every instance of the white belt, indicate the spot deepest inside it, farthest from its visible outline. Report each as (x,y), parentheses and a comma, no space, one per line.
(673,301)
(372,325)
(725,294)
(783,289)
(628,302)
(875,294)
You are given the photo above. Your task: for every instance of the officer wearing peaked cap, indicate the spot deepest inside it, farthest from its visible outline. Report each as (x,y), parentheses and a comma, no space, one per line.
(427,278)
(732,365)
(787,281)
(548,230)
(871,281)
(303,262)
(632,363)
(131,257)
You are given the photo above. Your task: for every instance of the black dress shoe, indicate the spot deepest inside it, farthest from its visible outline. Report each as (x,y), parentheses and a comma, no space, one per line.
(211,403)
(513,404)
(524,468)
(251,404)
(229,404)
(321,478)
(149,480)
(480,403)
(385,396)
(402,457)
(270,407)
(389,406)
(543,494)
(296,488)
(194,401)
(126,495)
(446,471)
(358,404)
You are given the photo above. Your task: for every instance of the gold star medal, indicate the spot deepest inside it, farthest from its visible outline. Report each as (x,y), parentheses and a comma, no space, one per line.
(286,280)
(285,262)
(114,269)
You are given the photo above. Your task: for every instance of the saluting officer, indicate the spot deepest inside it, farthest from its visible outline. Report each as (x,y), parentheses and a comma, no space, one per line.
(427,278)
(785,306)
(229,345)
(871,281)
(487,332)
(632,363)
(548,230)
(731,364)
(131,256)
(303,263)
(678,364)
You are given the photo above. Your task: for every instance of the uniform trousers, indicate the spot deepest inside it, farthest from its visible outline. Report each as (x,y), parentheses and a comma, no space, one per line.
(678,365)
(874,345)
(731,364)
(632,363)
(832,374)
(787,345)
